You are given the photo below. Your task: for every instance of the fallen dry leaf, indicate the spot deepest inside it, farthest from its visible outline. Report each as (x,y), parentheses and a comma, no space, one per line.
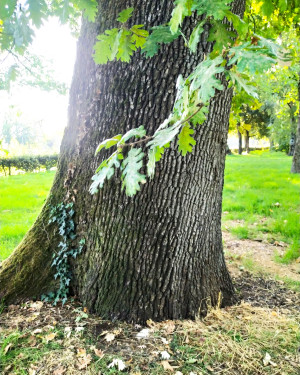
(36,305)
(81,352)
(59,371)
(99,353)
(83,362)
(109,337)
(50,337)
(166,365)
(32,341)
(169,327)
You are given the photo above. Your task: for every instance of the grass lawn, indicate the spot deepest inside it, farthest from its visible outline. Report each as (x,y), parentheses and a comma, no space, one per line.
(21,199)
(262,199)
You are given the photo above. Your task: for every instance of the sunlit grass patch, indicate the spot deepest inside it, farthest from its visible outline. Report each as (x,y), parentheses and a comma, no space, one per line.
(260,190)
(21,199)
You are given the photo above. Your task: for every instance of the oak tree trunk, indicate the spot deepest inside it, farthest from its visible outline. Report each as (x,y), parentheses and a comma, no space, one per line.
(247,142)
(240,139)
(296,158)
(157,255)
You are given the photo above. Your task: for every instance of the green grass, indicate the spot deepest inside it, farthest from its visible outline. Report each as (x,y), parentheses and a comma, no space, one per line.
(21,199)
(260,190)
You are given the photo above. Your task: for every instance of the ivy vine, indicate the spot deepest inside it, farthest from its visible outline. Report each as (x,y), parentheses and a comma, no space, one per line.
(62,214)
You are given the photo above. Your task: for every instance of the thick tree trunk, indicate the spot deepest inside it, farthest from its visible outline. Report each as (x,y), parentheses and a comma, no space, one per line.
(158,255)
(247,142)
(240,139)
(296,158)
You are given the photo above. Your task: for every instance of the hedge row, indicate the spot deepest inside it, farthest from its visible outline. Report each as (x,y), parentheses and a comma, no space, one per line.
(28,163)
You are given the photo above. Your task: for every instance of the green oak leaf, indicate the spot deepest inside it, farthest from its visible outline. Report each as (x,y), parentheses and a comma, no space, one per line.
(267,8)
(204,80)
(131,176)
(139,132)
(182,9)
(195,36)
(125,15)
(185,140)
(163,136)
(104,172)
(154,155)
(126,46)
(212,8)
(37,10)
(107,46)
(108,143)
(159,35)
(240,82)
(89,8)
(222,37)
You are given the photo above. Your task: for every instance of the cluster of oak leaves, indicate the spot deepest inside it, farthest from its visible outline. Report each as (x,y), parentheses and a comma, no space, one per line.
(236,53)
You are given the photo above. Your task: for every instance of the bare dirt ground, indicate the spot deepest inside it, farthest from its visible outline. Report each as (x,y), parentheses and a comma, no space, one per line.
(261,255)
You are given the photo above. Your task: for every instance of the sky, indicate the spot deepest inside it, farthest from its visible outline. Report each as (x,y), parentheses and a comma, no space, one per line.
(54,42)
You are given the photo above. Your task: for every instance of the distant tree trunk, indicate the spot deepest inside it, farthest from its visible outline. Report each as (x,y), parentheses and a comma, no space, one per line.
(158,255)
(296,158)
(271,144)
(247,142)
(292,144)
(240,139)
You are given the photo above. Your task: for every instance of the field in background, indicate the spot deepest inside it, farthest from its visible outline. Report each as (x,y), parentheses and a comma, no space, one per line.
(21,199)
(261,201)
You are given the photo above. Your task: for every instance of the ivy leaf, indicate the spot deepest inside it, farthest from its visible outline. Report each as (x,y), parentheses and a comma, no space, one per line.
(107,143)
(185,140)
(159,35)
(221,36)
(139,132)
(125,15)
(241,83)
(195,36)
(204,80)
(126,46)
(107,46)
(182,9)
(104,172)
(131,175)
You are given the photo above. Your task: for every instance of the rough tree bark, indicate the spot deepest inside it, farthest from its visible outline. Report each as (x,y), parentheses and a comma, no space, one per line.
(247,142)
(296,158)
(158,255)
(240,139)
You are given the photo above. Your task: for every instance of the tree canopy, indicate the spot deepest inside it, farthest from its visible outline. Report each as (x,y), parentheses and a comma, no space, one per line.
(239,52)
